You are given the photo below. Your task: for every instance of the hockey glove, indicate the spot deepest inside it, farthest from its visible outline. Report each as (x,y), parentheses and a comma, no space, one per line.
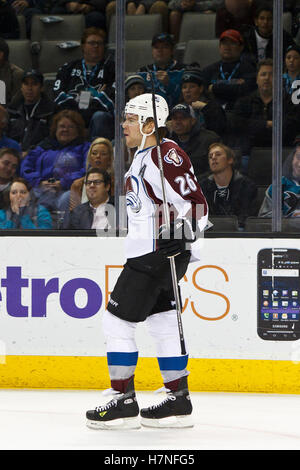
(173,243)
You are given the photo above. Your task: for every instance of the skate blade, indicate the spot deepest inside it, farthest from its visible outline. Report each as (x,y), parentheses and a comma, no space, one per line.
(116,424)
(169,422)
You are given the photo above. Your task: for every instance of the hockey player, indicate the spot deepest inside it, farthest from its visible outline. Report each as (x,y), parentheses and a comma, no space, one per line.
(144,290)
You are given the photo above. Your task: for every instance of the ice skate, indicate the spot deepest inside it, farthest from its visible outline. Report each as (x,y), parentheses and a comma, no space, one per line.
(173,412)
(119,413)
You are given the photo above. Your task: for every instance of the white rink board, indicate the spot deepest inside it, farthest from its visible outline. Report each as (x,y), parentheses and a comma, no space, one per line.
(228,268)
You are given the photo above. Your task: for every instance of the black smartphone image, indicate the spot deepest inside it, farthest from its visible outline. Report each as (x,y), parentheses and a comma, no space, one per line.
(278,294)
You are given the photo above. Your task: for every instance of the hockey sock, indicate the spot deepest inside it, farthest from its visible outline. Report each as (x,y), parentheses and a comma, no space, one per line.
(163,328)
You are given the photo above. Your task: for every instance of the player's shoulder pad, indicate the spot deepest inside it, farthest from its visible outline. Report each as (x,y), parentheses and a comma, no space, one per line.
(171,154)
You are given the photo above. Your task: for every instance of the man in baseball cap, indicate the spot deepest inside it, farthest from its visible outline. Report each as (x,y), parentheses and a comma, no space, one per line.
(234,75)
(191,136)
(233,35)
(35,75)
(166,71)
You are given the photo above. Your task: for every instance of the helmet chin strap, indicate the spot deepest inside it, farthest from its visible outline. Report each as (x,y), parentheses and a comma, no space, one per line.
(142,145)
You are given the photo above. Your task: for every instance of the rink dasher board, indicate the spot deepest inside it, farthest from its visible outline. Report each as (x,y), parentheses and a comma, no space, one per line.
(54,291)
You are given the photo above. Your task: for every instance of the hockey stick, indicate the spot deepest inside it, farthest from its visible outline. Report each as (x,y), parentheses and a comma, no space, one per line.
(167,222)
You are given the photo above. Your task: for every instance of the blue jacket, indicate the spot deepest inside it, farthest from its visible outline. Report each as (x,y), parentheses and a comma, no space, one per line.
(10,143)
(51,160)
(31,217)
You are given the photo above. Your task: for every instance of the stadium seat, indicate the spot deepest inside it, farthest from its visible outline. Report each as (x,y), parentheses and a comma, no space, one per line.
(223,223)
(264,224)
(203,51)
(52,57)
(137,54)
(139,27)
(197,26)
(261,192)
(287,20)
(71,28)
(22,26)
(20,53)
(260,164)
(258,224)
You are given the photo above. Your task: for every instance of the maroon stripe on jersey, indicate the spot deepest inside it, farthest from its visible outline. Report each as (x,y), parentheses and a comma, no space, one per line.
(179,174)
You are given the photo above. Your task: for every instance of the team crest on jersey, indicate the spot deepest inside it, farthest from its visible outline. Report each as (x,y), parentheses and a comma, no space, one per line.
(132,194)
(173,158)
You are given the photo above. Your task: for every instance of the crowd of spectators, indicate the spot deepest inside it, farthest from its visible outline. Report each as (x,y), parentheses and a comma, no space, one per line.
(57,149)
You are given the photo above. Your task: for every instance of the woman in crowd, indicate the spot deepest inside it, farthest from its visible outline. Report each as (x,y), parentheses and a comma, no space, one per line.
(21,210)
(292,68)
(58,160)
(100,155)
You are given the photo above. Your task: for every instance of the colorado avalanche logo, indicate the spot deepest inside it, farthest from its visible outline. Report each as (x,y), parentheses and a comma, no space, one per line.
(173,158)
(132,191)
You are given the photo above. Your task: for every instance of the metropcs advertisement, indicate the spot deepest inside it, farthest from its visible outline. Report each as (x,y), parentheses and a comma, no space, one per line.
(240,300)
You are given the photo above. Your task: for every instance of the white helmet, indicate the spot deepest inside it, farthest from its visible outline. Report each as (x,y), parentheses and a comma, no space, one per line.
(142,106)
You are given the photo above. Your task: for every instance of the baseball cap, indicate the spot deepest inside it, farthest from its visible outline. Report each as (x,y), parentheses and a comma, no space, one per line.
(132,79)
(232,34)
(293,47)
(35,74)
(163,37)
(194,76)
(183,108)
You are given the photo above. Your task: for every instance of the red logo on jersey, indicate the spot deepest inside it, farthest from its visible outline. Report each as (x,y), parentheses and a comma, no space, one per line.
(173,158)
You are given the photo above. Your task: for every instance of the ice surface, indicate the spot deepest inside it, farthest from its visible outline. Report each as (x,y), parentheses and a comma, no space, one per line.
(55,419)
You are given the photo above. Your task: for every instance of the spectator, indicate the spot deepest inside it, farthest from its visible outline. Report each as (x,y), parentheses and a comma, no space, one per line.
(166,71)
(195,140)
(57,161)
(154,7)
(179,7)
(100,155)
(235,14)
(9,25)
(28,8)
(9,163)
(226,190)
(134,85)
(131,6)
(138,7)
(233,76)
(209,113)
(259,38)
(290,187)
(253,115)
(4,140)
(87,85)
(21,211)
(30,112)
(292,68)
(95,213)
(93,11)
(10,74)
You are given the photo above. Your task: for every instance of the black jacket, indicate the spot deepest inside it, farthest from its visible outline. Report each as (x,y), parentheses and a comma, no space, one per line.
(250,116)
(238,199)
(251,44)
(81,218)
(224,77)
(26,129)
(70,81)
(196,147)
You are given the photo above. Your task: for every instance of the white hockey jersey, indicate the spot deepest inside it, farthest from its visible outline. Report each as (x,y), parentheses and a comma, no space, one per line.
(144,195)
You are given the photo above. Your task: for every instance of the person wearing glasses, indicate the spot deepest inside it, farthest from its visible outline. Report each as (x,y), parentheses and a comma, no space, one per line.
(95,213)
(87,85)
